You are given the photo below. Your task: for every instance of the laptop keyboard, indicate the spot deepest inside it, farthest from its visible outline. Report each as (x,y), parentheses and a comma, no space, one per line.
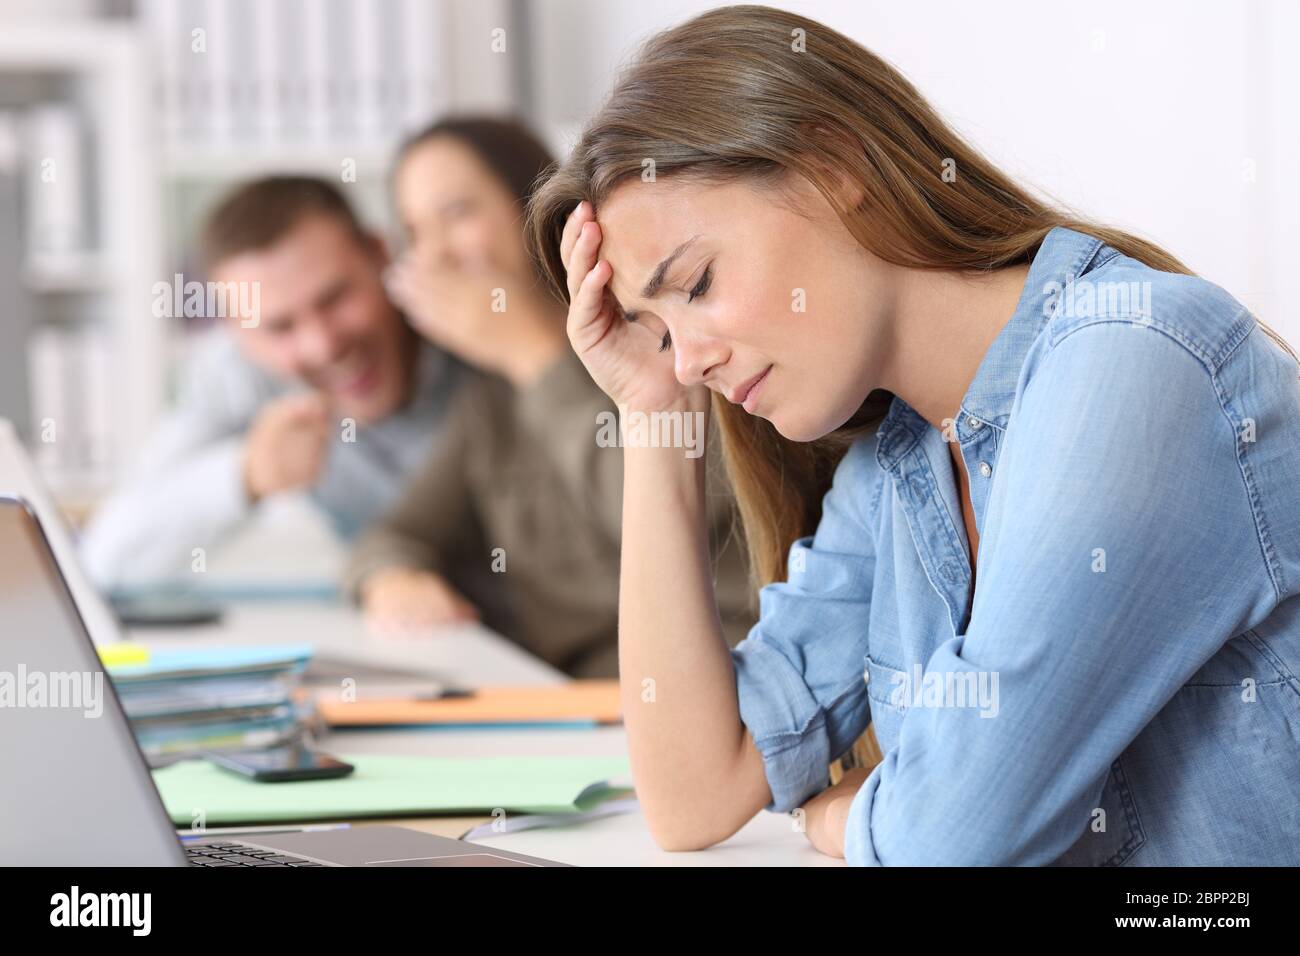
(225,853)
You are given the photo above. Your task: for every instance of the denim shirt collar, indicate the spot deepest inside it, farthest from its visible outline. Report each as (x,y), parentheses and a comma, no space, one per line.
(1063,256)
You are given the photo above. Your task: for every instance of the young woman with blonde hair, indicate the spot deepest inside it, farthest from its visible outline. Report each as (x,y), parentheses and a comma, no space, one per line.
(1023,494)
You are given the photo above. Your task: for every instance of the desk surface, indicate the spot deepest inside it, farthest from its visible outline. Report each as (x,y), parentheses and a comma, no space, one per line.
(473,655)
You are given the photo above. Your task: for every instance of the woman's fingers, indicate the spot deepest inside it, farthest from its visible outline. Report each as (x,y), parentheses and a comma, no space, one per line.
(572,226)
(401,282)
(584,325)
(583,258)
(586,246)
(418,296)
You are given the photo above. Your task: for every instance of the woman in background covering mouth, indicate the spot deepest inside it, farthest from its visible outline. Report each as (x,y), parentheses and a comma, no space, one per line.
(517,512)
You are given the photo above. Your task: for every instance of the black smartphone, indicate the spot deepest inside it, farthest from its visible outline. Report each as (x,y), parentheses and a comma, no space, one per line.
(281,764)
(165,611)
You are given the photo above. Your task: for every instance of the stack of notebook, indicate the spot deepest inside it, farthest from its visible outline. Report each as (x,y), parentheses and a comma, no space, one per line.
(184,702)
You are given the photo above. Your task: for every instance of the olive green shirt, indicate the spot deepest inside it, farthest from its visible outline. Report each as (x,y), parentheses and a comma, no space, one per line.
(520,507)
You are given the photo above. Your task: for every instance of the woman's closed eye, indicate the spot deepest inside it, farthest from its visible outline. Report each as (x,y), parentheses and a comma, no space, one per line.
(700,287)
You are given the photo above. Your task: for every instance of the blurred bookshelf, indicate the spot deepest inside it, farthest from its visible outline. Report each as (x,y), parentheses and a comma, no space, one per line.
(81,245)
(122,121)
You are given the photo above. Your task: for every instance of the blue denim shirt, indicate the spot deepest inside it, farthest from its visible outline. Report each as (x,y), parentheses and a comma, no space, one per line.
(1123,688)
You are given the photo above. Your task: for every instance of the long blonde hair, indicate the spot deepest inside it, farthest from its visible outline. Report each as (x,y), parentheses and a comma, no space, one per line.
(752,91)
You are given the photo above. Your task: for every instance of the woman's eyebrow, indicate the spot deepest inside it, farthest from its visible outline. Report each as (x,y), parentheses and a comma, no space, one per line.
(656,282)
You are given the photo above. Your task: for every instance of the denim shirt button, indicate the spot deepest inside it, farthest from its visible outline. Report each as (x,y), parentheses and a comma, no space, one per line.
(974,422)
(866,675)
(985,469)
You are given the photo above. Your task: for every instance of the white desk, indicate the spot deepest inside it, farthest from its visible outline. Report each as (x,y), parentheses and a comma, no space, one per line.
(470,654)
(474,655)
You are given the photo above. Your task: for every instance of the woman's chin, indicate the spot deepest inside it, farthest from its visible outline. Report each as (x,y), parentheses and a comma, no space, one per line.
(800,429)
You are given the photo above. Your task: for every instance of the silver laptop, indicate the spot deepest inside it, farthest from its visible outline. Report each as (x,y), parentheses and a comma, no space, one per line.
(20,479)
(78,791)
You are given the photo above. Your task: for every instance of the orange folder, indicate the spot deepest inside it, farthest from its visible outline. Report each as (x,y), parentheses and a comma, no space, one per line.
(578,700)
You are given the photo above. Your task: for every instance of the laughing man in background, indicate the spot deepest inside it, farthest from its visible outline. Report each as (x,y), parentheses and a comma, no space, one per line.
(325,390)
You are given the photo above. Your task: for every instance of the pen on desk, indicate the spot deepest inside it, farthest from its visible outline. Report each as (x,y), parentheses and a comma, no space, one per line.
(243,831)
(445,693)
(416,692)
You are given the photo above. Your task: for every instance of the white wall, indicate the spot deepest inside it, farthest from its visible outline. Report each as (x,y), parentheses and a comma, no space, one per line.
(1171,118)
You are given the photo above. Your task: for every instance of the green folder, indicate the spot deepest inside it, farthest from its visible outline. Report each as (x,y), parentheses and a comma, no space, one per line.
(196,792)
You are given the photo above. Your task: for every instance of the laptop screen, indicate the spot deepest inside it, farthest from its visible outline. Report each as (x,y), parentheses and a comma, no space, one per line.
(76,788)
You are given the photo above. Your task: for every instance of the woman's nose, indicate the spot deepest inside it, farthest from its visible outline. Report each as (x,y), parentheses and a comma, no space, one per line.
(694,359)
(432,252)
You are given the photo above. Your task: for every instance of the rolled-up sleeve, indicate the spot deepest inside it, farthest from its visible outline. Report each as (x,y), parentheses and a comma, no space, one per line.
(797,698)
(1120,552)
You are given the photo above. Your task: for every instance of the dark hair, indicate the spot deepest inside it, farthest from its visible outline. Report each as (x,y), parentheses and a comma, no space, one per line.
(258,213)
(506,146)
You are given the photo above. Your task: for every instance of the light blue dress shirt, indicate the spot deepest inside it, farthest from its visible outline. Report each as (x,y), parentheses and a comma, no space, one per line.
(1123,688)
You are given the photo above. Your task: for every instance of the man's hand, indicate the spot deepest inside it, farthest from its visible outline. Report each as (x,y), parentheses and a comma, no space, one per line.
(405,600)
(285,449)
(827,814)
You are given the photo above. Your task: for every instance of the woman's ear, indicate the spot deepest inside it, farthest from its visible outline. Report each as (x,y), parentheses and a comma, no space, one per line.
(848,190)
(835,154)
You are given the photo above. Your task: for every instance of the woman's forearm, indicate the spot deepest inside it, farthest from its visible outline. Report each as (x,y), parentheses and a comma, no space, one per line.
(698,776)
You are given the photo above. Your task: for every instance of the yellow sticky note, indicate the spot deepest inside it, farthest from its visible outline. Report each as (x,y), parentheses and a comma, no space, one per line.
(116,655)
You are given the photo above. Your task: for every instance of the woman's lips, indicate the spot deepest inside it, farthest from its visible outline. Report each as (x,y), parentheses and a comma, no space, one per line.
(749,396)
